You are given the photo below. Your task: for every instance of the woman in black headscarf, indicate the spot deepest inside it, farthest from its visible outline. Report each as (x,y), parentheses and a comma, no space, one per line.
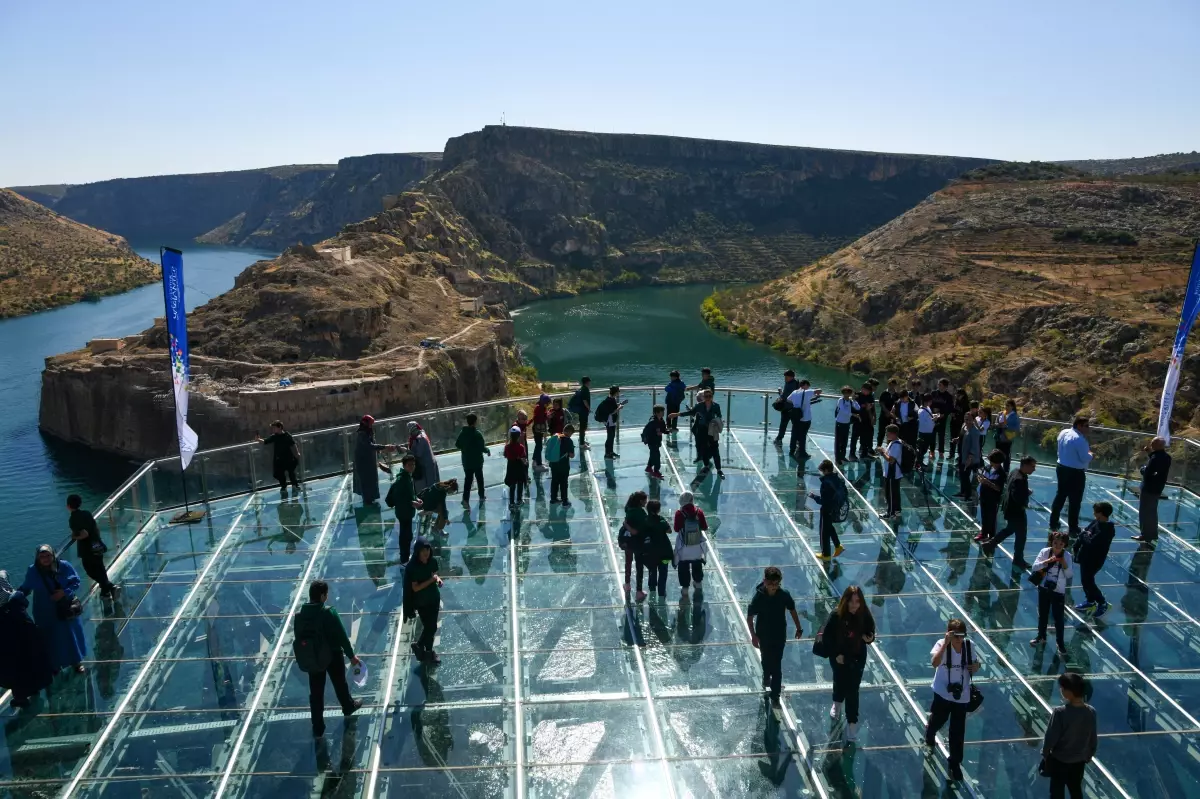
(366,461)
(24,663)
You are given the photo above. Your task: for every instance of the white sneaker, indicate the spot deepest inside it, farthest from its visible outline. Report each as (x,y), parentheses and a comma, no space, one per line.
(835,710)
(851,731)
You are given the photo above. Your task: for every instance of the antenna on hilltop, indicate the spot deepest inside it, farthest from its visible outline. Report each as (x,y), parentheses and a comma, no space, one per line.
(502,123)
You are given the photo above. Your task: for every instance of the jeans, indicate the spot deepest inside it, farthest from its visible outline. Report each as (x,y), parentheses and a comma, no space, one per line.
(846,679)
(799,442)
(1065,777)
(429,621)
(989,504)
(1148,516)
(655,462)
(93,565)
(841,437)
(1087,578)
(610,437)
(1070,490)
(939,431)
(559,471)
(658,575)
(828,533)
(476,475)
(691,570)
(316,691)
(1051,601)
(406,536)
(785,416)
(1018,525)
(538,438)
(772,665)
(891,490)
(956,712)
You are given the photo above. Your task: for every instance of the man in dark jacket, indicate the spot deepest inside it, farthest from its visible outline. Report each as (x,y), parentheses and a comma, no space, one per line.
(86,535)
(1013,505)
(471,447)
(674,392)
(1154,480)
(941,402)
(833,488)
(770,605)
(317,619)
(864,428)
(884,417)
(790,384)
(403,497)
(1090,553)
(285,456)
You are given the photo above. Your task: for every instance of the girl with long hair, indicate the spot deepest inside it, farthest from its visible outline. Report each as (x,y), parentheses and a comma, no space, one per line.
(847,633)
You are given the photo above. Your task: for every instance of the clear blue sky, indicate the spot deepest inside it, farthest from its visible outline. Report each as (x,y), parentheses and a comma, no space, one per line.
(96,90)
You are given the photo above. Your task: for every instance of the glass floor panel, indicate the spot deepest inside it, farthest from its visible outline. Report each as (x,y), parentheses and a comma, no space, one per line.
(554,683)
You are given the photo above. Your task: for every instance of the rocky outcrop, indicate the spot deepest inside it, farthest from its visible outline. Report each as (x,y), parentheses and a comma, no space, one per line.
(47,260)
(1060,292)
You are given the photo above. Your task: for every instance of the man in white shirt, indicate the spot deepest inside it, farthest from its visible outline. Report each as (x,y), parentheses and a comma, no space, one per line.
(844,415)
(954,661)
(801,401)
(892,453)
(927,422)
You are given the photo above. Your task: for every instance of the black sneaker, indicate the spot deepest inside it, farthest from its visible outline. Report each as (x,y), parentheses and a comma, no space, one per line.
(775,703)
(353,707)
(956,774)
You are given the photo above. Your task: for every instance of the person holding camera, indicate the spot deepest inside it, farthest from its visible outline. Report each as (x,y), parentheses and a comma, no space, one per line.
(893,455)
(845,414)
(1070,742)
(1051,569)
(954,663)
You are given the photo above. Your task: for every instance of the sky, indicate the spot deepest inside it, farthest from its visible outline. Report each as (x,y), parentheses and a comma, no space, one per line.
(126,88)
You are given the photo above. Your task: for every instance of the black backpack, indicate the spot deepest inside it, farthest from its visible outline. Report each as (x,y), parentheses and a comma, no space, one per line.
(841,510)
(650,432)
(310,646)
(605,408)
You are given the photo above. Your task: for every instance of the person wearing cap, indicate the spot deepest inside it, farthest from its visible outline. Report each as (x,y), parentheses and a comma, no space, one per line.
(541,427)
(24,663)
(366,461)
(52,584)
(427,466)
(790,384)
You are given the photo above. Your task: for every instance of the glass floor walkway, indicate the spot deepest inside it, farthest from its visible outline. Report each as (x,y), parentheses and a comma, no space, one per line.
(551,686)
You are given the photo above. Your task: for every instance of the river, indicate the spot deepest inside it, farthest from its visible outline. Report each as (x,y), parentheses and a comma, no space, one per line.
(629,337)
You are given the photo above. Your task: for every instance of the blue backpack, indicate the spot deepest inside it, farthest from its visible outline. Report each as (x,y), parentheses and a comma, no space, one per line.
(553,449)
(575,406)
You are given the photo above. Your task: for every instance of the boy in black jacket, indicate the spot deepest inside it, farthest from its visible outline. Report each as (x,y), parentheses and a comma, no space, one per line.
(652,437)
(1014,503)
(1090,553)
(658,553)
(770,605)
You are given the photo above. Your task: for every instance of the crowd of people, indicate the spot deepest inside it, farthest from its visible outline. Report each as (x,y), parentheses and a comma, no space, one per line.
(907,429)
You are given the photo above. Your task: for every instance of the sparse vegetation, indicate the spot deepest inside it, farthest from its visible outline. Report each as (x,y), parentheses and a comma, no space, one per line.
(1097,236)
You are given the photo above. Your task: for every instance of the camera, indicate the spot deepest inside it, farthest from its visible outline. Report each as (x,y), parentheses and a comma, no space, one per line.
(1050,585)
(955,690)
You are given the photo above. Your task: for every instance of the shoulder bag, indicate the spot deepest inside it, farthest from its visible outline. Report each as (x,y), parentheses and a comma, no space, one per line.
(976,699)
(66,608)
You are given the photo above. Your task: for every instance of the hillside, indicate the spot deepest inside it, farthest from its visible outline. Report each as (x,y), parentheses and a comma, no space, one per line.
(47,260)
(1061,293)
(1149,165)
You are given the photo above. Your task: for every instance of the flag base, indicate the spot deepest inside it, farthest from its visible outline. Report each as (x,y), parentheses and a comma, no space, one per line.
(188,517)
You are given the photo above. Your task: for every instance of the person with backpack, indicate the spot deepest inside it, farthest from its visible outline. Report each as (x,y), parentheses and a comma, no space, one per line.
(845,414)
(320,642)
(403,498)
(1014,503)
(652,437)
(422,588)
(801,401)
(1051,570)
(541,427)
(844,640)
(992,480)
(656,549)
(606,413)
(690,541)
(893,470)
(285,457)
(707,424)
(790,384)
(631,536)
(559,451)
(1091,550)
(581,406)
(835,506)
(517,465)
(471,448)
(674,392)
(954,664)
(769,606)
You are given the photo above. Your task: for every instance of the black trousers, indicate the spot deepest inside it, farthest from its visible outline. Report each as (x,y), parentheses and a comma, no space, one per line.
(785,416)
(538,438)
(891,490)
(1018,525)
(798,445)
(965,473)
(1148,516)
(283,473)
(956,712)
(610,437)
(691,571)
(846,679)
(581,423)
(939,431)
(925,444)
(672,407)
(772,665)
(841,437)
(559,471)
(1005,446)
(828,533)
(989,504)
(1065,777)
(709,449)
(316,691)
(1051,602)
(1087,578)
(429,621)
(655,461)
(406,536)
(1070,491)
(93,565)
(861,431)
(475,475)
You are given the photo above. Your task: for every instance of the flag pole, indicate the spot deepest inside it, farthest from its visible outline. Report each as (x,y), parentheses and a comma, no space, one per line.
(188,516)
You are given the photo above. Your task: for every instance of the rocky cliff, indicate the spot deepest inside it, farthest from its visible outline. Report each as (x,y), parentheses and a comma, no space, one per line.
(341,321)
(48,260)
(1062,293)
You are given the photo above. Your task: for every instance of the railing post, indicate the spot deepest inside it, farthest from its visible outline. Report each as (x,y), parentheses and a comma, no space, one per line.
(766,423)
(300,465)
(653,397)
(203,478)
(345,452)
(729,406)
(150,489)
(113,530)
(253,469)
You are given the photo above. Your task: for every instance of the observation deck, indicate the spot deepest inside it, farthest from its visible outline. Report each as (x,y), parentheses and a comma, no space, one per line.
(552,685)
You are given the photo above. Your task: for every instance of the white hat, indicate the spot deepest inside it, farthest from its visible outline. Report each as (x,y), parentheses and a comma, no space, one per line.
(514,429)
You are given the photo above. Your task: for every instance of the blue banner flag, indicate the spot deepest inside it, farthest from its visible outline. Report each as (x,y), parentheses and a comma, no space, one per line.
(172,269)
(1191,307)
